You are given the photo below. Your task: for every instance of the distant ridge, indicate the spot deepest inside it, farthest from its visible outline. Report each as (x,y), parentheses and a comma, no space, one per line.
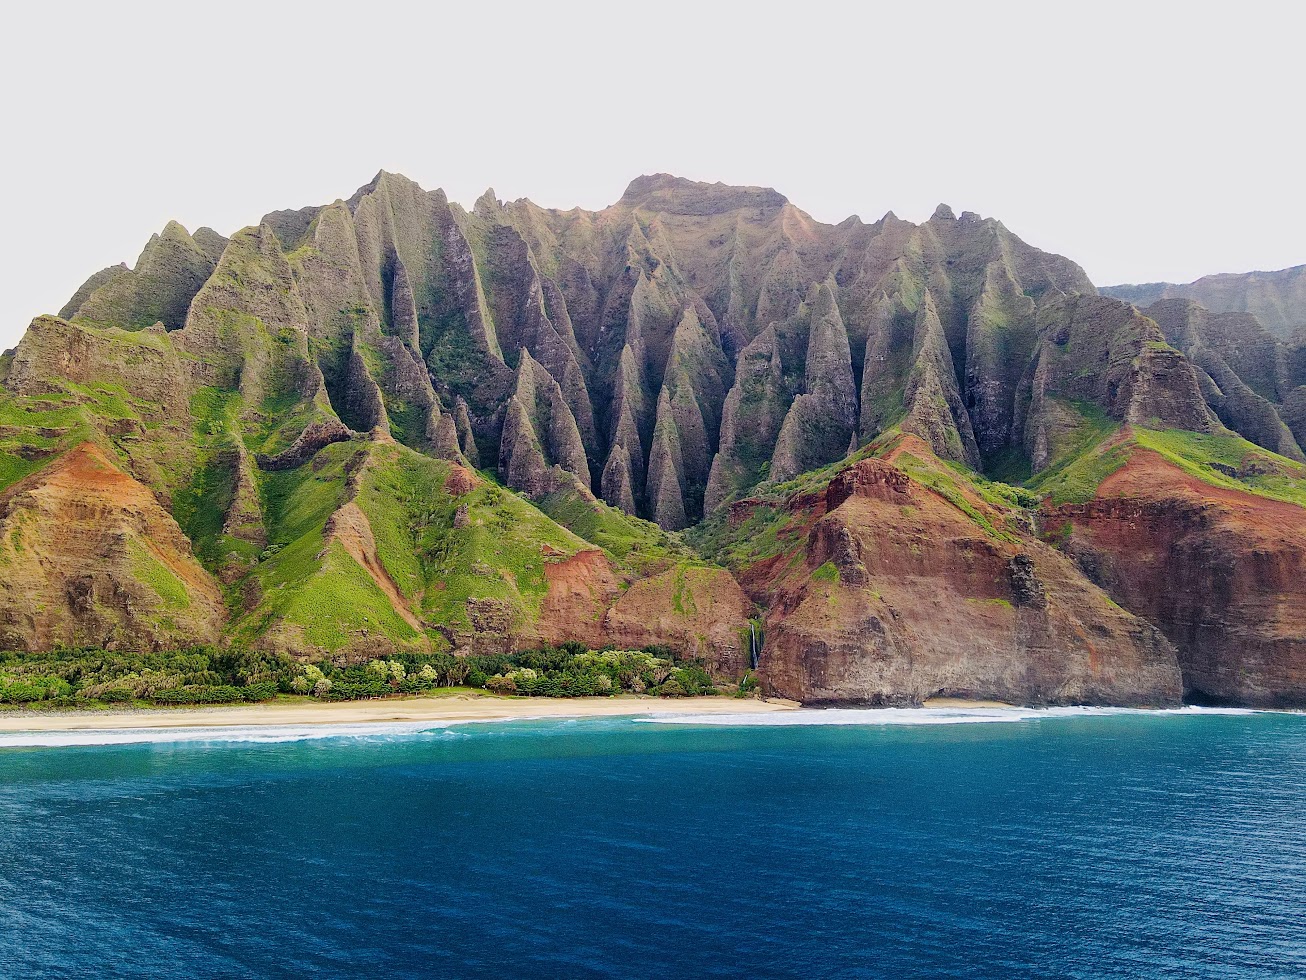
(1277,299)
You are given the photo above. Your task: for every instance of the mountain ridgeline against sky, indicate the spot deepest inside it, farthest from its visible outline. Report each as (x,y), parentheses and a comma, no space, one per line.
(299,437)
(1276,299)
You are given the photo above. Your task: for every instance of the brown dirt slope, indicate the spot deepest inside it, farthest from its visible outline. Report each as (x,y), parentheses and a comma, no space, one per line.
(89,557)
(698,610)
(350,526)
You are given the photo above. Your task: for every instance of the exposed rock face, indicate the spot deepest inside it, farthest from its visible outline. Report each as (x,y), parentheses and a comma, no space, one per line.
(463,428)
(1221,572)
(306,446)
(934,407)
(53,350)
(539,434)
(700,611)
(1103,352)
(702,338)
(1276,299)
(688,418)
(751,418)
(1247,376)
(899,596)
(91,285)
(90,558)
(169,273)
(822,418)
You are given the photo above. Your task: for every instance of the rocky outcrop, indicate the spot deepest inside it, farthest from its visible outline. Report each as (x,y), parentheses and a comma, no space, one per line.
(158,289)
(823,417)
(540,437)
(54,351)
(243,518)
(688,417)
(463,428)
(751,417)
(309,442)
(898,594)
(1105,353)
(84,291)
(1246,375)
(699,610)
(623,476)
(935,411)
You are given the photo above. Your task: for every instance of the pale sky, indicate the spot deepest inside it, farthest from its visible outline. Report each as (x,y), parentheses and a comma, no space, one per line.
(1144,141)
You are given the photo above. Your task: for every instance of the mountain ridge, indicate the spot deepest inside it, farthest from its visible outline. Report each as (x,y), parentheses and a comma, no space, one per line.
(306,394)
(1277,298)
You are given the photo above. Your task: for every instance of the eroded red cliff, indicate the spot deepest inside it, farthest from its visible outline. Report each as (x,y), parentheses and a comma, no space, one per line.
(1222,572)
(894,592)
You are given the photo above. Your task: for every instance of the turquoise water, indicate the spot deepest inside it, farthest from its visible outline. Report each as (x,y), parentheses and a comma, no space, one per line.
(1076,845)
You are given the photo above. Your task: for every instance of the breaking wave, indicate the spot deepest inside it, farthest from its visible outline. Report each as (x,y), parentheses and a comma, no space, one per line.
(216,733)
(922,716)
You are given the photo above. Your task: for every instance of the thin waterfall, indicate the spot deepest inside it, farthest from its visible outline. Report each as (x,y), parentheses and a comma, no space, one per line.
(753,647)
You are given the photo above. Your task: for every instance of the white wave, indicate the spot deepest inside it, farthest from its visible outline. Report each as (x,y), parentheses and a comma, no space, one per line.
(268,734)
(231,733)
(921,716)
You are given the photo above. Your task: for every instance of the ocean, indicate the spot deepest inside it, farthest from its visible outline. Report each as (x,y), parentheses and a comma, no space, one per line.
(809,844)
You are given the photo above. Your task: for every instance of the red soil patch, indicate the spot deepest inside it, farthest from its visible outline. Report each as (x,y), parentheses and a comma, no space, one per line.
(461,480)
(1149,474)
(581,588)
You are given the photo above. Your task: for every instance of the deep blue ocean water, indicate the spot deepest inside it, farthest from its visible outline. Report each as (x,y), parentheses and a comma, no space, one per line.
(1100,845)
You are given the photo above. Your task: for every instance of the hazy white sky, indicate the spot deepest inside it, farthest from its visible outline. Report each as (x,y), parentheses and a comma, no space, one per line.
(1146,141)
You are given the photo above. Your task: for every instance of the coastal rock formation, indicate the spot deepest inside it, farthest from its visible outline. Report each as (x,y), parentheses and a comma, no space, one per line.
(1221,571)
(697,610)
(893,592)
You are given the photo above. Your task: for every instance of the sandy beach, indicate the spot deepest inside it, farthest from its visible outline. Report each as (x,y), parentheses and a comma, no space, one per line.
(434,709)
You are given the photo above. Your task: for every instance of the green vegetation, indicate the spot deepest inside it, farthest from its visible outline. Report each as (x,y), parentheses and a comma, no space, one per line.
(767,531)
(306,581)
(827,574)
(204,675)
(13,468)
(148,569)
(637,544)
(1229,461)
(948,483)
(1222,460)
(500,555)
(1083,456)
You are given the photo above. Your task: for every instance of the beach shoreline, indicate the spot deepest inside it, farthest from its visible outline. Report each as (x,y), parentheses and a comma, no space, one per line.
(443,710)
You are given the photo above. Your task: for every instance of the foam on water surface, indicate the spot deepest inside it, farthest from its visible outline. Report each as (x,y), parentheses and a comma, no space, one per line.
(923,716)
(214,733)
(406,729)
